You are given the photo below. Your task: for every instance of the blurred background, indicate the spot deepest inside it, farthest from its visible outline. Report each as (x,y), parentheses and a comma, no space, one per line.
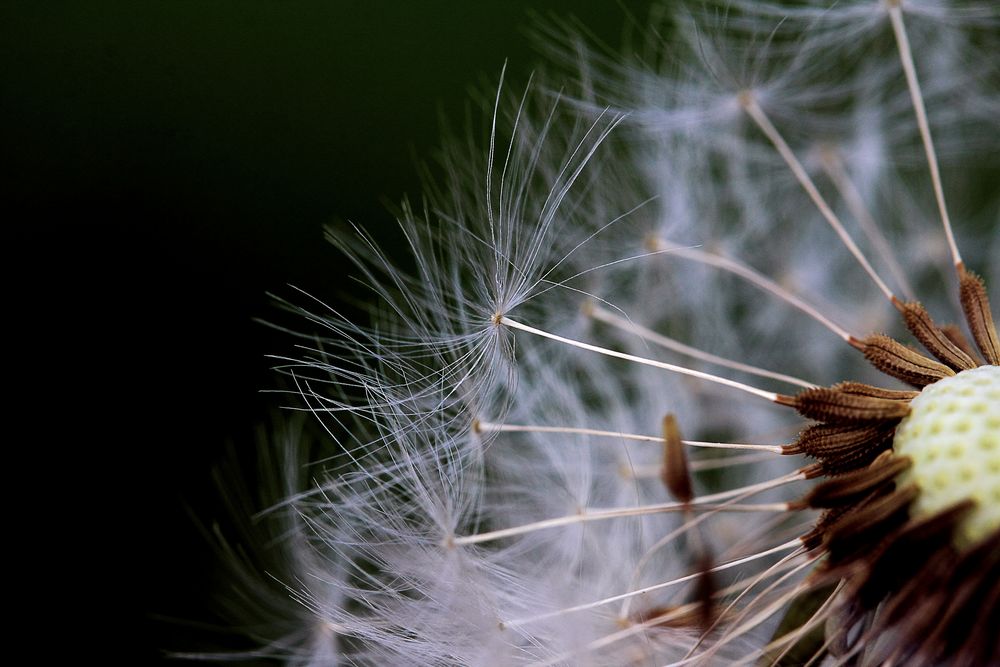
(165,165)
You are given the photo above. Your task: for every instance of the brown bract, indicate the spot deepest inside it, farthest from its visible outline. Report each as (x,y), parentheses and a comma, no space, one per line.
(897,588)
(906,595)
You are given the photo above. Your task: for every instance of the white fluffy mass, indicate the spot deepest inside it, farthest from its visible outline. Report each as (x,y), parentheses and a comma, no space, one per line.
(492,501)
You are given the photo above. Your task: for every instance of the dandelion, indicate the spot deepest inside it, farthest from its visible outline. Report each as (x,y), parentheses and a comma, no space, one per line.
(635,406)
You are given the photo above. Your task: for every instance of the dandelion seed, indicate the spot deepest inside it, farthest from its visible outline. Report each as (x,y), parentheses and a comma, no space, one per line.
(513,493)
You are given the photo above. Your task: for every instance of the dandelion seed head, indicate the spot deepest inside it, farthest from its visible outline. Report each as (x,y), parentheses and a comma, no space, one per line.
(713,226)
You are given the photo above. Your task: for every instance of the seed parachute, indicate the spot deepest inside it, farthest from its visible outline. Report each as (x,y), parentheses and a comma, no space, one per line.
(664,386)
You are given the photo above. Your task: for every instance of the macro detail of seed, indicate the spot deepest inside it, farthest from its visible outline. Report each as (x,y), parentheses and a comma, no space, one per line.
(952,435)
(498,484)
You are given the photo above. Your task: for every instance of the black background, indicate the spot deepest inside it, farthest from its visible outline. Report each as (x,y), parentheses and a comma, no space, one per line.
(165,164)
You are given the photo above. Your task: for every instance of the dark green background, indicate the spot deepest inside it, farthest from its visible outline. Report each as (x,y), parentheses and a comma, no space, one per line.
(164,165)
